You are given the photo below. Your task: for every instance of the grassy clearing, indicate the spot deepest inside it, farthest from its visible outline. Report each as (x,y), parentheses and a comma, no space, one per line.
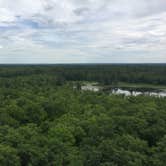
(137,85)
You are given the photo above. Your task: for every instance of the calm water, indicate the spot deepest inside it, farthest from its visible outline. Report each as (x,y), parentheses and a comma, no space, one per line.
(126,92)
(119,91)
(89,87)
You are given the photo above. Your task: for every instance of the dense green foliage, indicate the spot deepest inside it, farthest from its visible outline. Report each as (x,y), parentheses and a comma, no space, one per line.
(106,74)
(45,122)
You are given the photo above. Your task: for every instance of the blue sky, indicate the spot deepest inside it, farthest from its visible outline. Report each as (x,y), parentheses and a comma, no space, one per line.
(83,31)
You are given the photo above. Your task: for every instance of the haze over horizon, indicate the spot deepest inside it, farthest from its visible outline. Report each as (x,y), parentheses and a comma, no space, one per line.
(82,31)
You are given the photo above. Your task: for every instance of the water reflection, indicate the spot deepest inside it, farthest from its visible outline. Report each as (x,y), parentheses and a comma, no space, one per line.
(125,92)
(90,87)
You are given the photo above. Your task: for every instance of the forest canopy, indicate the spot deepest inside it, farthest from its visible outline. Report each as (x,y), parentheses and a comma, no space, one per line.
(44,121)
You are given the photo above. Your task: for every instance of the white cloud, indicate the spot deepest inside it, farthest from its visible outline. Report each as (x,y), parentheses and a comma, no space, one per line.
(64,11)
(88,30)
(6,15)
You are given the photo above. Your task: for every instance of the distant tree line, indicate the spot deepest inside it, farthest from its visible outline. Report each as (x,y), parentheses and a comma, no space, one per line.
(105,74)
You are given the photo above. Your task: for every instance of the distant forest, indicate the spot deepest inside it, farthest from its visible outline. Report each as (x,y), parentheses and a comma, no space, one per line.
(105,74)
(45,122)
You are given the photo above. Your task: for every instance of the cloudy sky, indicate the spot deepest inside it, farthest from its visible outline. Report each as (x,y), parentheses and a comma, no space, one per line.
(82,31)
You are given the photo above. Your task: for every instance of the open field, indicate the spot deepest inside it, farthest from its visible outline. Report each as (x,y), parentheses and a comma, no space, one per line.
(140,85)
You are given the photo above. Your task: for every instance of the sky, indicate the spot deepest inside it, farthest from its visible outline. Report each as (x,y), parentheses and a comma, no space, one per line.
(82,31)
